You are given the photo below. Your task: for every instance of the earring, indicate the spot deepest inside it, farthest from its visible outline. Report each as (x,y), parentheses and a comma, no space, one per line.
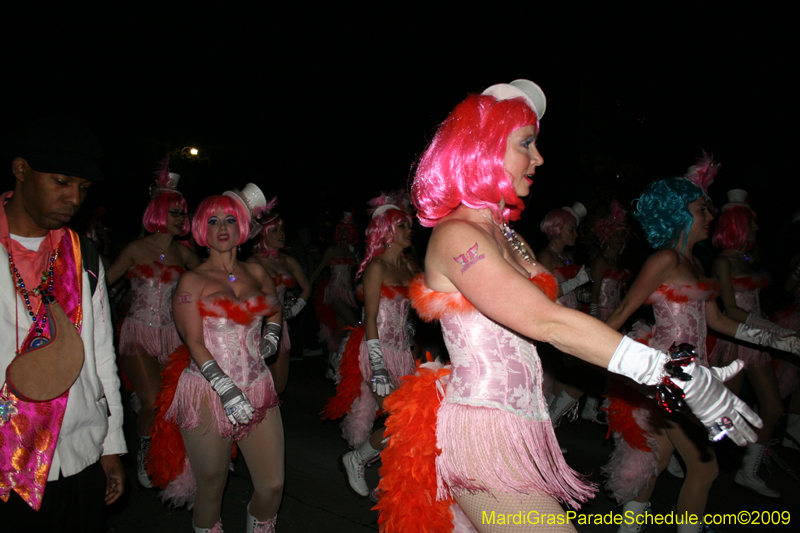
(208,250)
(388,246)
(240,249)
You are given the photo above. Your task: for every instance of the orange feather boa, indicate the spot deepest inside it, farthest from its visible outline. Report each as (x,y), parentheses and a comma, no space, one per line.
(349,387)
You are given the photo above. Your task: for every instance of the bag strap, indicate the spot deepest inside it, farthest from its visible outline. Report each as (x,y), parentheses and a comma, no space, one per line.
(91,260)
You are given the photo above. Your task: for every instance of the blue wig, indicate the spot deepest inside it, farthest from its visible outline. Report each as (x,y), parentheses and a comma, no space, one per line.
(663,210)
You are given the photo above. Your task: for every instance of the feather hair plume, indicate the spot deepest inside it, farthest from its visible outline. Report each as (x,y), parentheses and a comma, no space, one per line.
(703,172)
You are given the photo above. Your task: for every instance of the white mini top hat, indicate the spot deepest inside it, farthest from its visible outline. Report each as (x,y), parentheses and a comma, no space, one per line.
(578,210)
(529,91)
(737,197)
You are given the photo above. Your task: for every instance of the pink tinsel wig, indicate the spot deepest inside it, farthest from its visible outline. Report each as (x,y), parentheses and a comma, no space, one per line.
(464,162)
(731,230)
(554,221)
(261,246)
(229,206)
(156,215)
(605,228)
(380,233)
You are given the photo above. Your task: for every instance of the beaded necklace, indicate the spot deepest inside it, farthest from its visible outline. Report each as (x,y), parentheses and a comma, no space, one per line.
(513,240)
(565,259)
(45,287)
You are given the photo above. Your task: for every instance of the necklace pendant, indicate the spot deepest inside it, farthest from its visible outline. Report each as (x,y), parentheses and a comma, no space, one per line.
(162,256)
(38,341)
(231,277)
(8,408)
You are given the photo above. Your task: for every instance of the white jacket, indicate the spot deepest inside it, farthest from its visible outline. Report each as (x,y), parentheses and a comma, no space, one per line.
(87,431)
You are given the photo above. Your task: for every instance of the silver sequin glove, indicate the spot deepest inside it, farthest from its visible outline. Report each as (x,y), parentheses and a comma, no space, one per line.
(268,345)
(236,405)
(381,383)
(291,311)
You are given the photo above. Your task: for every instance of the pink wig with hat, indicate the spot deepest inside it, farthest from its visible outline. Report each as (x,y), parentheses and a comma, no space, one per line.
(731,230)
(165,196)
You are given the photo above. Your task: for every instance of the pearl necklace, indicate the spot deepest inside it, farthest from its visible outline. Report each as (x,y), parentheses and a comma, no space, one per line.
(513,240)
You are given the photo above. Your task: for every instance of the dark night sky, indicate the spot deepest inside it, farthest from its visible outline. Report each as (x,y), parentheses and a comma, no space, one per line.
(326,111)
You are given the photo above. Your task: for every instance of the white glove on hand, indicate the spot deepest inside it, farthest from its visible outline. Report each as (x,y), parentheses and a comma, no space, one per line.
(291,311)
(268,345)
(381,383)
(771,335)
(572,284)
(237,406)
(710,401)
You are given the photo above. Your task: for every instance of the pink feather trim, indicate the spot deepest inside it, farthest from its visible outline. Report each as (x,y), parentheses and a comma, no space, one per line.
(703,172)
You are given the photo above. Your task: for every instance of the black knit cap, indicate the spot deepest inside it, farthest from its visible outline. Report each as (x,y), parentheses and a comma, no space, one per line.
(58,146)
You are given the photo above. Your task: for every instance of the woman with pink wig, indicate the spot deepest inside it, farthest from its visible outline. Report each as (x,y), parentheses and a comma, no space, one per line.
(740,285)
(153,265)
(378,353)
(286,272)
(226,393)
(335,302)
(489,447)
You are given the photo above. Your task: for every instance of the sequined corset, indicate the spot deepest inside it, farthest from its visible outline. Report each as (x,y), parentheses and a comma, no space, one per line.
(341,275)
(235,348)
(492,366)
(152,288)
(680,314)
(746,291)
(392,316)
(611,291)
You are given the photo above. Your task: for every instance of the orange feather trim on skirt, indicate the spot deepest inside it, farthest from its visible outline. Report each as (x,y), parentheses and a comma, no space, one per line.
(349,388)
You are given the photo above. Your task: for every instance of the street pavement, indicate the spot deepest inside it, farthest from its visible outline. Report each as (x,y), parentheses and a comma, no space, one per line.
(317,500)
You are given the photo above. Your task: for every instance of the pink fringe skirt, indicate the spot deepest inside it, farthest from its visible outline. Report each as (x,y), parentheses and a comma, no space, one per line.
(726,352)
(156,342)
(336,293)
(488,449)
(357,424)
(194,395)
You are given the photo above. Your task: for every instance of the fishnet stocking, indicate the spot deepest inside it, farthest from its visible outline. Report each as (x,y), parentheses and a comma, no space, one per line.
(210,457)
(474,506)
(144,372)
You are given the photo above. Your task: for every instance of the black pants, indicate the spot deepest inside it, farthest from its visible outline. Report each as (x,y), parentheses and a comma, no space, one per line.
(72,504)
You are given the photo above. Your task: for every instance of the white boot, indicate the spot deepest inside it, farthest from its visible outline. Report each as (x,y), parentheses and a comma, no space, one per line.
(141,471)
(216,529)
(791,437)
(354,463)
(630,512)
(675,468)
(591,410)
(563,404)
(254,526)
(747,475)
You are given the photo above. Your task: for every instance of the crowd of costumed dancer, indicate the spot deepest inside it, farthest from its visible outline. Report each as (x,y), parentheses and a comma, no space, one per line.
(739,287)
(489,444)
(675,215)
(153,265)
(286,273)
(561,228)
(378,352)
(217,390)
(335,301)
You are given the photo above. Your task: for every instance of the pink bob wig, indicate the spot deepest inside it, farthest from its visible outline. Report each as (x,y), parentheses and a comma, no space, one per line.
(464,162)
(352,233)
(380,233)
(731,230)
(156,215)
(261,246)
(554,221)
(209,207)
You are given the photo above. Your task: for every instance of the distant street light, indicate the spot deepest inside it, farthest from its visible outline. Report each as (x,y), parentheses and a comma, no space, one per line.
(192,151)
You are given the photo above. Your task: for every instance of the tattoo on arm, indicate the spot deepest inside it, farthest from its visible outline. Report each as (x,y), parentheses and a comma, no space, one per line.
(469,258)
(184,298)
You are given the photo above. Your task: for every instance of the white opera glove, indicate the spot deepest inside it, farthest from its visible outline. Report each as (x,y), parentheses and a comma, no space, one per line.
(237,407)
(572,284)
(268,345)
(770,335)
(381,383)
(291,311)
(704,390)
